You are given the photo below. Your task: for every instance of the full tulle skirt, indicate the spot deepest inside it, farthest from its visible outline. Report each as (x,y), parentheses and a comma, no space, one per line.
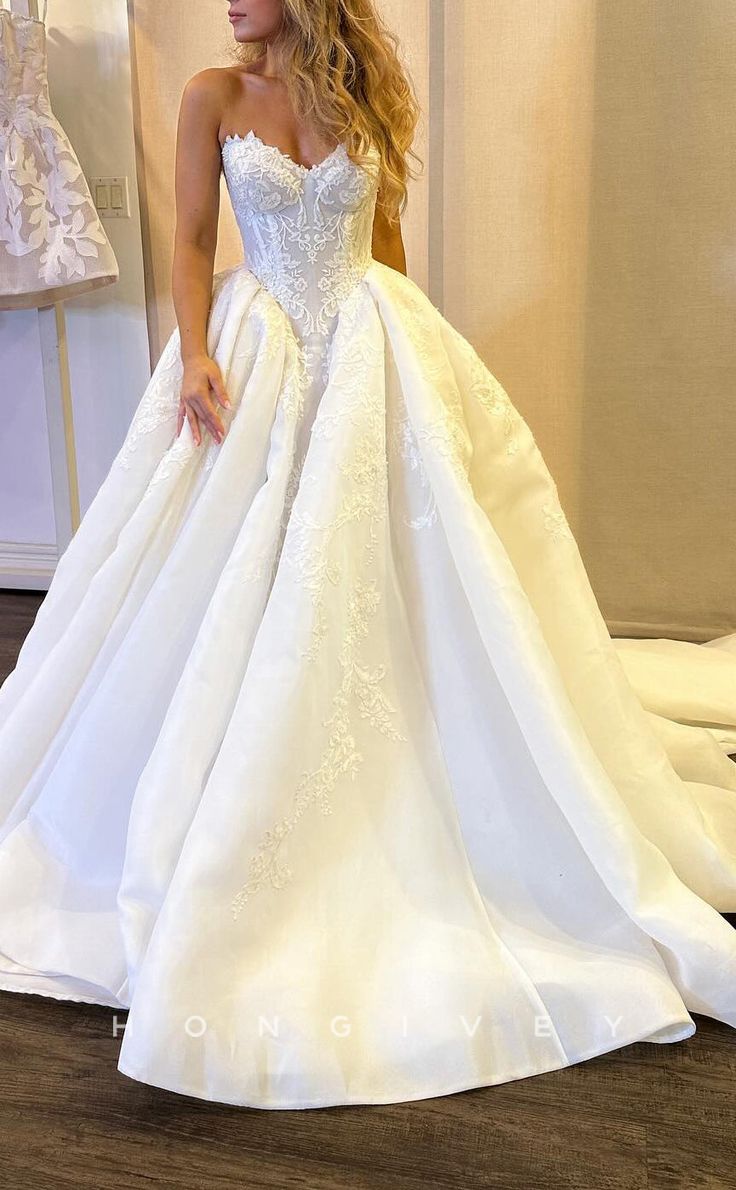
(320,759)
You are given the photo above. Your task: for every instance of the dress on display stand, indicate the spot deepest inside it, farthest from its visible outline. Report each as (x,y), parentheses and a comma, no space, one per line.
(52,243)
(319,756)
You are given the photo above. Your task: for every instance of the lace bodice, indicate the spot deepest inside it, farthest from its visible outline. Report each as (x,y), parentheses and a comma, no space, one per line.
(23,78)
(306,230)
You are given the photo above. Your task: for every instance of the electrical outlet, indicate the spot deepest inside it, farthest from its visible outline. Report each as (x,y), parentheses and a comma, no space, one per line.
(111,197)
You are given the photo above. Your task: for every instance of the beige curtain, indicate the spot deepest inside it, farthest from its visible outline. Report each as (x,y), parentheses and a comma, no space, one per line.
(588,251)
(575,221)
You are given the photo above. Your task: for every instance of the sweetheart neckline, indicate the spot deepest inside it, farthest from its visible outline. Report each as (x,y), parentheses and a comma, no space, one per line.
(304,169)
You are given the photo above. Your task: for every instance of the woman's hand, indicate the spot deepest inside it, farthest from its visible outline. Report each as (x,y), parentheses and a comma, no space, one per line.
(201,391)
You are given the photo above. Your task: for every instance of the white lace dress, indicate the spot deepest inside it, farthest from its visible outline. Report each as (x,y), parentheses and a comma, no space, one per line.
(319,756)
(52,243)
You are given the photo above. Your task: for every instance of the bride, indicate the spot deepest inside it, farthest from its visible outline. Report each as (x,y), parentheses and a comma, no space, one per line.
(319,757)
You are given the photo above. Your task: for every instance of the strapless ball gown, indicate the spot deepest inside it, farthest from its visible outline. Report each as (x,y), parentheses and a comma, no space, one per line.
(319,756)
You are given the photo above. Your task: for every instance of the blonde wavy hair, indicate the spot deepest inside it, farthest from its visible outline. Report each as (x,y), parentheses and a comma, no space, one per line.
(342,69)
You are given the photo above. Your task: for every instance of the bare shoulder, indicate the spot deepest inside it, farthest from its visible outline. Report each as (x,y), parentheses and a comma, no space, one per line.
(213,93)
(209,87)
(206,97)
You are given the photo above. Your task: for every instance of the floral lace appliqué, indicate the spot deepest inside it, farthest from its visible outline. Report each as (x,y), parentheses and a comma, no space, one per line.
(46,210)
(306,230)
(555,520)
(316,553)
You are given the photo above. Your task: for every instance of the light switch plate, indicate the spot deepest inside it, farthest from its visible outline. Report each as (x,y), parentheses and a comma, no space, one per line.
(111,197)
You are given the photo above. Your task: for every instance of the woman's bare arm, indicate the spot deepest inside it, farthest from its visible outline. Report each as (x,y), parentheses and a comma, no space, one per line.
(388,245)
(197,209)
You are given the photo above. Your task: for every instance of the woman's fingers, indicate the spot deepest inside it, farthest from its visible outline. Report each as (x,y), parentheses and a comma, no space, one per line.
(208,414)
(218,387)
(194,424)
(202,392)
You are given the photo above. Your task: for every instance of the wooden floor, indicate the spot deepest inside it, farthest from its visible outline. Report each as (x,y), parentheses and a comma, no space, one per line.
(647,1116)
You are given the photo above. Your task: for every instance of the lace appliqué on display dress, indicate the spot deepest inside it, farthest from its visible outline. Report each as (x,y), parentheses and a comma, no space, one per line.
(51,236)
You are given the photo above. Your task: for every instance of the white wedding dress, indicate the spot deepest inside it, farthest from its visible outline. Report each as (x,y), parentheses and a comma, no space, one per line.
(319,756)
